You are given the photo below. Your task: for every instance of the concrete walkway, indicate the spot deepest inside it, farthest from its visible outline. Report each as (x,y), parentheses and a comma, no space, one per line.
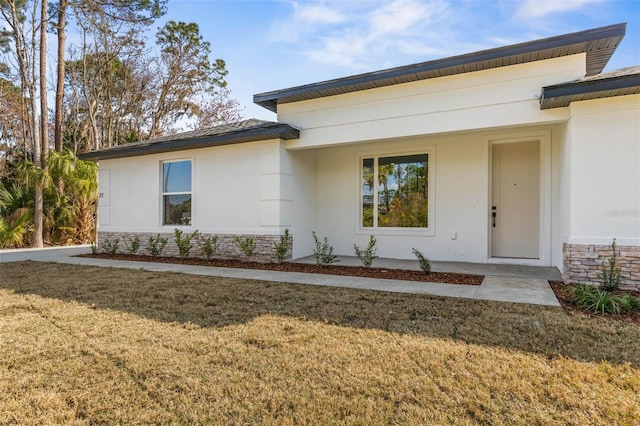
(504,283)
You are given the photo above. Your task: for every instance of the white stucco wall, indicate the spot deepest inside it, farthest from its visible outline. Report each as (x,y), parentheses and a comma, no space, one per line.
(458,112)
(605,171)
(236,189)
(303,185)
(313,184)
(502,97)
(461,196)
(561,187)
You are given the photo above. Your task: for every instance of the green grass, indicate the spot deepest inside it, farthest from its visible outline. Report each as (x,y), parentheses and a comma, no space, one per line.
(82,345)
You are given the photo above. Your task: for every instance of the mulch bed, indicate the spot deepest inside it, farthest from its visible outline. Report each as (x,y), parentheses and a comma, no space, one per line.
(564,297)
(354,271)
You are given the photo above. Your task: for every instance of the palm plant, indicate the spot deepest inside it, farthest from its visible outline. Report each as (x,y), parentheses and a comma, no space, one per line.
(70,191)
(13,197)
(78,188)
(16,203)
(12,230)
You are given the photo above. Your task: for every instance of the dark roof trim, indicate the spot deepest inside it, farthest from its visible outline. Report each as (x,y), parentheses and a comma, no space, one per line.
(263,132)
(598,43)
(561,95)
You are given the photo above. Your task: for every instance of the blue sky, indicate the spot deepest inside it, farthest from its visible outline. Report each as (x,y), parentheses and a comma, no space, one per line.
(274,44)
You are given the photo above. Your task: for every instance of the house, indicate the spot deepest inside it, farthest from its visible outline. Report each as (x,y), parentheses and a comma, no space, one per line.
(524,154)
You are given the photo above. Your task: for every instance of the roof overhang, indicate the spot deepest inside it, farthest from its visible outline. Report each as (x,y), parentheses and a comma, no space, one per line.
(561,95)
(598,44)
(257,133)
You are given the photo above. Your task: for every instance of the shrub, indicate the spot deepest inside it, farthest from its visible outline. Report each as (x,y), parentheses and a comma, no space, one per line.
(611,278)
(94,247)
(247,246)
(184,242)
(425,265)
(323,251)
(110,246)
(600,301)
(132,245)
(156,245)
(606,297)
(283,246)
(628,302)
(208,246)
(634,302)
(367,255)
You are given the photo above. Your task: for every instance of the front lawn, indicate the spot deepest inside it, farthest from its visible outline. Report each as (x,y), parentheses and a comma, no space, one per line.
(101,345)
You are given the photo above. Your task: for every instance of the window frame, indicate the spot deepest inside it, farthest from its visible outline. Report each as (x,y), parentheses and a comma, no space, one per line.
(163,193)
(375,155)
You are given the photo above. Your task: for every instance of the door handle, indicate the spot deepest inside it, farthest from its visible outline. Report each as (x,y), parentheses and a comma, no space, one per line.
(493,215)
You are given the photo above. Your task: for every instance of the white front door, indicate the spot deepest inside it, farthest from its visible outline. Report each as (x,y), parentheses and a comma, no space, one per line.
(515,206)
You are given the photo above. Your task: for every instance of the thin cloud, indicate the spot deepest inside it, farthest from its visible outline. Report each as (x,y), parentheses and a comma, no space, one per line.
(540,8)
(305,20)
(341,51)
(401,16)
(317,14)
(356,35)
(360,36)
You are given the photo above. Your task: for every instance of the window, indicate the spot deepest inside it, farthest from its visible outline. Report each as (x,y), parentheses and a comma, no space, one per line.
(395,191)
(176,193)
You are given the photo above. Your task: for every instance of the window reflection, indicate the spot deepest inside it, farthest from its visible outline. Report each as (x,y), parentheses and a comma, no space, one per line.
(176,188)
(402,191)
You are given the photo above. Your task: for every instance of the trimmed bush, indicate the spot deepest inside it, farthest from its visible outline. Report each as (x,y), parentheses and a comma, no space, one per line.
(132,245)
(323,251)
(247,246)
(368,255)
(156,245)
(283,246)
(425,265)
(183,241)
(110,246)
(208,246)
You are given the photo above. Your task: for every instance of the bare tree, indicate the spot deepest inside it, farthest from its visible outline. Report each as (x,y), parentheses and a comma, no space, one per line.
(103,81)
(96,17)
(23,34)
(24,27)
(119,93)
(61,31)
(44,109)
(11,135)
(217,109)
(187,75)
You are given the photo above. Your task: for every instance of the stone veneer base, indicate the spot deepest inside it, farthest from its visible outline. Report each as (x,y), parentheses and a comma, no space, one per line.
(228,248)
(583,262)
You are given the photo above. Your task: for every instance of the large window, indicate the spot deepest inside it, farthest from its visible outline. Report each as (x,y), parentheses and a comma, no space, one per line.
(176,193)
(395,191)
